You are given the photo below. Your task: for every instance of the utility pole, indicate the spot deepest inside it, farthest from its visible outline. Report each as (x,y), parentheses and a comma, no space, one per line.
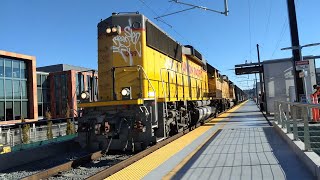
(295,42)
(256,86)
(260,74)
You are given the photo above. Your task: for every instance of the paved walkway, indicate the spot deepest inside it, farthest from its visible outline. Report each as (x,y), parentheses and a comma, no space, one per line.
(246,147)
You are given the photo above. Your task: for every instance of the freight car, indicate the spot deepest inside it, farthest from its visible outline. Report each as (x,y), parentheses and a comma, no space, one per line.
(150,87)
(218,89)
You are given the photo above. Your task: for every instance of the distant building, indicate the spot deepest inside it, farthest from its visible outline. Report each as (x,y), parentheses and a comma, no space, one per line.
(61,67)
(66,83)
(18,95)
(28,92)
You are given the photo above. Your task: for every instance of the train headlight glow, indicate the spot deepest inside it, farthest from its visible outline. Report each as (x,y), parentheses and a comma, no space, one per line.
(126,93)
(84,95)
(114,29)
(108,30)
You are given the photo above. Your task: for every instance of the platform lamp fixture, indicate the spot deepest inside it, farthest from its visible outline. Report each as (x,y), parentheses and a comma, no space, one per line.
(301,59)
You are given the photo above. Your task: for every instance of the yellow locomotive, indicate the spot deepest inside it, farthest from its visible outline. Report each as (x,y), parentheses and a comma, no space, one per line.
(150,87)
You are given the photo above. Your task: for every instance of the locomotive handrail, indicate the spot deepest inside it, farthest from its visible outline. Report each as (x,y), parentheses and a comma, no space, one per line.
(148,81)
(176,73)
(163,90)
(146,76)
(139,67)
(155,94)
(164,93)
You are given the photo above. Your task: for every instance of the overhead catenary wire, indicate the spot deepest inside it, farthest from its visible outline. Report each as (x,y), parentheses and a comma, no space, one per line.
(160,19)
(268,22)
(283,30)
(173,29)
(249,10)
(154,12)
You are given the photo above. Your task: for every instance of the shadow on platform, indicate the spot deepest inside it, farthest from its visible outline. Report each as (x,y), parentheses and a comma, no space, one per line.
(292,168)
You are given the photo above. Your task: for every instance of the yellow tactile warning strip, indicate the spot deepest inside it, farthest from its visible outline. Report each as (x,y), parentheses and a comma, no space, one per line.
(142,167)
(187,158)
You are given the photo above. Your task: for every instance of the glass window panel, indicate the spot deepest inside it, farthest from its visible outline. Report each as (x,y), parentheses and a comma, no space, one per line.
(16,69)
(1,67)
(81,82)
(9,110)
(8,68)
(96,87)
(1,89)
(45,95)
(77,84)
(39,92)
(40,110)
(64,93)
(25,109)
(58,108)
(63,106)
(57,92)
(8,89)
(38,80)
(44,81)
(17,110)
(46,107)
(23,70)
(16,89)
(88,83)
(2,111)
(24,89)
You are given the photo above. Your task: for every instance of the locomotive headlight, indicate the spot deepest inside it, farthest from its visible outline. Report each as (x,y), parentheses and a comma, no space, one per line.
(114,29)
(108,30)
(84,95)
(126,93)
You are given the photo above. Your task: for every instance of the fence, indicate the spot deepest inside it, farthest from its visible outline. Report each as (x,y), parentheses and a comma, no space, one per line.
(13,135)
(297,119)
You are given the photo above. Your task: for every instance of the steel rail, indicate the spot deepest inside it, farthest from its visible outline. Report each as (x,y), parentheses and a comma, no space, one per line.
(65,166)
(121,165)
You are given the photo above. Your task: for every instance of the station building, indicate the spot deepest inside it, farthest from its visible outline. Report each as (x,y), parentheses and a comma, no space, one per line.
(29,91)
(66,83)
(18,94)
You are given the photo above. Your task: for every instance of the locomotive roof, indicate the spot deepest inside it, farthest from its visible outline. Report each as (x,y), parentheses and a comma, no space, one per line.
(135,14)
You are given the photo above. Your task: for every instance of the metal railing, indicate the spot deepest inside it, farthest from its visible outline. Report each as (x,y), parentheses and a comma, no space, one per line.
(13,135)
(296,118)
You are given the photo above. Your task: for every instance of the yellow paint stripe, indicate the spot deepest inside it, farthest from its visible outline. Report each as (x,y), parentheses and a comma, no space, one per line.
(111,103)
(142,167)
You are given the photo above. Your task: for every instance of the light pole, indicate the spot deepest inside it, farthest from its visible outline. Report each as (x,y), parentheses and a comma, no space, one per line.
(299,48)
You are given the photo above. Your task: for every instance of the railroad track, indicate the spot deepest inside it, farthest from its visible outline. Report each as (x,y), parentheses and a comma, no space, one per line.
(123,164)
(28,169)
(98,165)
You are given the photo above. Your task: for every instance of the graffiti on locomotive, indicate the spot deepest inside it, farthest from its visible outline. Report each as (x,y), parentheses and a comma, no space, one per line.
(128,44)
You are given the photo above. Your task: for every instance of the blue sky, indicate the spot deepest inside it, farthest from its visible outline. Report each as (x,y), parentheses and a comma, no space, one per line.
(65,31)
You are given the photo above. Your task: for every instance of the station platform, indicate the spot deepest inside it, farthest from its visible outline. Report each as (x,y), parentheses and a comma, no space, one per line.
(239,144)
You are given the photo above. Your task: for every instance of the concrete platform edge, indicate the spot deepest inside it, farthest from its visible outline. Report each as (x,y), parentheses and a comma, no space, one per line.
(310,159)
